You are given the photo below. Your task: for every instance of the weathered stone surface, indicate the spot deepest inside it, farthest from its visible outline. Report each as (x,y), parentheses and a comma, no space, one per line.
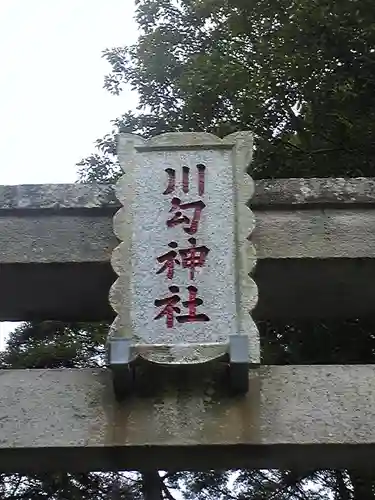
(329,191)
(309,416)
(268,193)
(316,233)
(58,238)
(319,257)
(57,197)
(40,237)
(224,291)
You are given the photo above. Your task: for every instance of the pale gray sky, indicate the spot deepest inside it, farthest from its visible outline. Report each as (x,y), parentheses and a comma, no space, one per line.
(52,102)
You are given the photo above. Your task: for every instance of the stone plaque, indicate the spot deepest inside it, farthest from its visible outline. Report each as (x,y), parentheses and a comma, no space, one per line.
(184,260)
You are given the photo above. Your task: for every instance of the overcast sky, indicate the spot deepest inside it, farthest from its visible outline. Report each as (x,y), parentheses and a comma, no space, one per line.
(52,102)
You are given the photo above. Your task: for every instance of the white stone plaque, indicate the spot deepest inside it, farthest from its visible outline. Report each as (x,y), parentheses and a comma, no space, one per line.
(184,260)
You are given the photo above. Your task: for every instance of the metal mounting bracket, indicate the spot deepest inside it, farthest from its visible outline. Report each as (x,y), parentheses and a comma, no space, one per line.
(123,372)
(121,363)
(238,364)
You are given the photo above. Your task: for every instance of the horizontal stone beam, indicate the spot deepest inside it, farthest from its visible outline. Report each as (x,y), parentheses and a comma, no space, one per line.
(315,242)
(293,416)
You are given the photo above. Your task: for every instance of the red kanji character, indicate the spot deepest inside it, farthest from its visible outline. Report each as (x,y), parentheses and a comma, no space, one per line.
(171,172)
(169,260)
(178,218)
(192,304)
(171,180)
(201,171)
(193,257)
(185,179)
(170,306)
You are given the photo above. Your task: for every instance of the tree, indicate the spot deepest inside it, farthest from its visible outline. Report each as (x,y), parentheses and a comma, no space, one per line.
(299,73)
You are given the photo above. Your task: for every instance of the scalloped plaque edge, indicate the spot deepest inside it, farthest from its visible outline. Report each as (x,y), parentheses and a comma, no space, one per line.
(241,144)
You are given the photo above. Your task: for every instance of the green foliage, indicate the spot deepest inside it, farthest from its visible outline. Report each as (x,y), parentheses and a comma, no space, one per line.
(300,74)
(63,486)
(349,341)
(52,344)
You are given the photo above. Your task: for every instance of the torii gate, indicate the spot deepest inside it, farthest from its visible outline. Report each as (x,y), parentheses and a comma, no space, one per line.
(315,247)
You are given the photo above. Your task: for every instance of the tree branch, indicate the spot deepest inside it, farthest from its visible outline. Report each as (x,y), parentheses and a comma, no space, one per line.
(166,491)
(152,485)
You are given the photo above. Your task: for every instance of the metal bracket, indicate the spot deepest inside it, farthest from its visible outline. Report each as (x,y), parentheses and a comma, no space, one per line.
(119,360)
(121,363)
(238,364)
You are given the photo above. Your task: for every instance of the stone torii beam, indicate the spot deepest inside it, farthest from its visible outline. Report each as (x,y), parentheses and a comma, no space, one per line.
(316,249)
(314,240)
